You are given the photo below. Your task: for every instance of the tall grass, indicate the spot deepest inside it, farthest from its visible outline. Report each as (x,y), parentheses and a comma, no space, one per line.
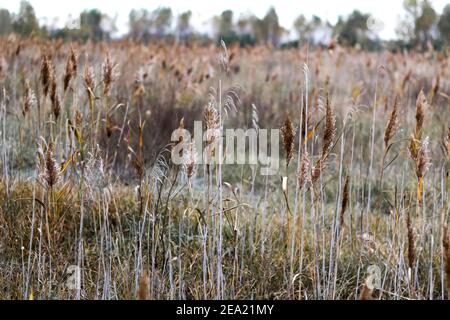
(358,209)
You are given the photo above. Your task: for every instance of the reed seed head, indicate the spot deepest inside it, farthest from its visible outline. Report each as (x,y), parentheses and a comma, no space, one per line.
(288,135)
(29,98)
(47,74)
(392,124)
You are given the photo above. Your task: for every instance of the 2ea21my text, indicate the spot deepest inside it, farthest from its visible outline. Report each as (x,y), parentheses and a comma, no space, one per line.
(226,309)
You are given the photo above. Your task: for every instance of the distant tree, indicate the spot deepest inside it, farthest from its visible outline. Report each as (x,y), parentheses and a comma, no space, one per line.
(268,29)
(91,25)
(183,28)
(226,22)
(301,27)
(244,29)
(140,24)
(272,27)
(5,22)
(354,30)
(224,27)
(26,23)
(418,24)
(162,21)
(308,31)
(145,25)
(444,24)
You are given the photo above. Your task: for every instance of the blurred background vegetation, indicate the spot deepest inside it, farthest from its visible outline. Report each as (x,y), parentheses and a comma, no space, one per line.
(420,27)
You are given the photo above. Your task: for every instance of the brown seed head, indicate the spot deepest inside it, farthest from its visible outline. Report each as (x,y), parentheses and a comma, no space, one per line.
(392,123)
(47,74)
(51,167)
(29,98)
(212,123)
(330,129)
(109,74)
(304,174)
(54,97)
(421,104)
(288,136)
(345,198)
(89,80)
(423,160)
(411,246)
(71,68)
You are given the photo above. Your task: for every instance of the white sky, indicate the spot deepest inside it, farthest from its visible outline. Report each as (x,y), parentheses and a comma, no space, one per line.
(388,11)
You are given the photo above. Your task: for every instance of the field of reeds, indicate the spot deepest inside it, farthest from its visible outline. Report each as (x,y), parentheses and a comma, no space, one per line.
(92,207)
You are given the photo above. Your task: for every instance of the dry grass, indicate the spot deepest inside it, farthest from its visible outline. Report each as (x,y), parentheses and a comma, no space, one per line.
(87,180)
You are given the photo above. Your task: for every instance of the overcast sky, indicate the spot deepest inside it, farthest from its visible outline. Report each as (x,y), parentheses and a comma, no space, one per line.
(387,11)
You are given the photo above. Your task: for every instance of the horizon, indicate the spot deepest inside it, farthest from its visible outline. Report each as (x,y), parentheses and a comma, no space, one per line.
(203,11)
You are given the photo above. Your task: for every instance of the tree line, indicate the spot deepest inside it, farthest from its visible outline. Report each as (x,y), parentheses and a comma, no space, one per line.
(420,26)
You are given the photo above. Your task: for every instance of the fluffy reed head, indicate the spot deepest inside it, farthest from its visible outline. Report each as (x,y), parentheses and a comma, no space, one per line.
(29,98)
(47,74)
(211,120)
(421,104)
(89,80)
(189,155)
(406,79)
(422,161)
(411,245)
(71,68)
(54,97)
(49,170)
(317,169)
(288,136)
(330,128)
(304,173)
(109,74)
(392,124)
(345,199)
(434,88)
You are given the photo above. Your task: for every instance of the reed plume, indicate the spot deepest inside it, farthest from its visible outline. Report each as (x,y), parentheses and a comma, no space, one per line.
(411,245)
(421,104)
(288,136)
(415,140)
(109,74)
(392,124)
(327,144)
(345,199)
(71,68)
(317,169)
(434,89)
(406,79)
(49,170)
(29,98)
(212,123)
(304,175)
(46,74)
(54,97)
(89,80)
(330,129)
(189,155)
(422,162)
